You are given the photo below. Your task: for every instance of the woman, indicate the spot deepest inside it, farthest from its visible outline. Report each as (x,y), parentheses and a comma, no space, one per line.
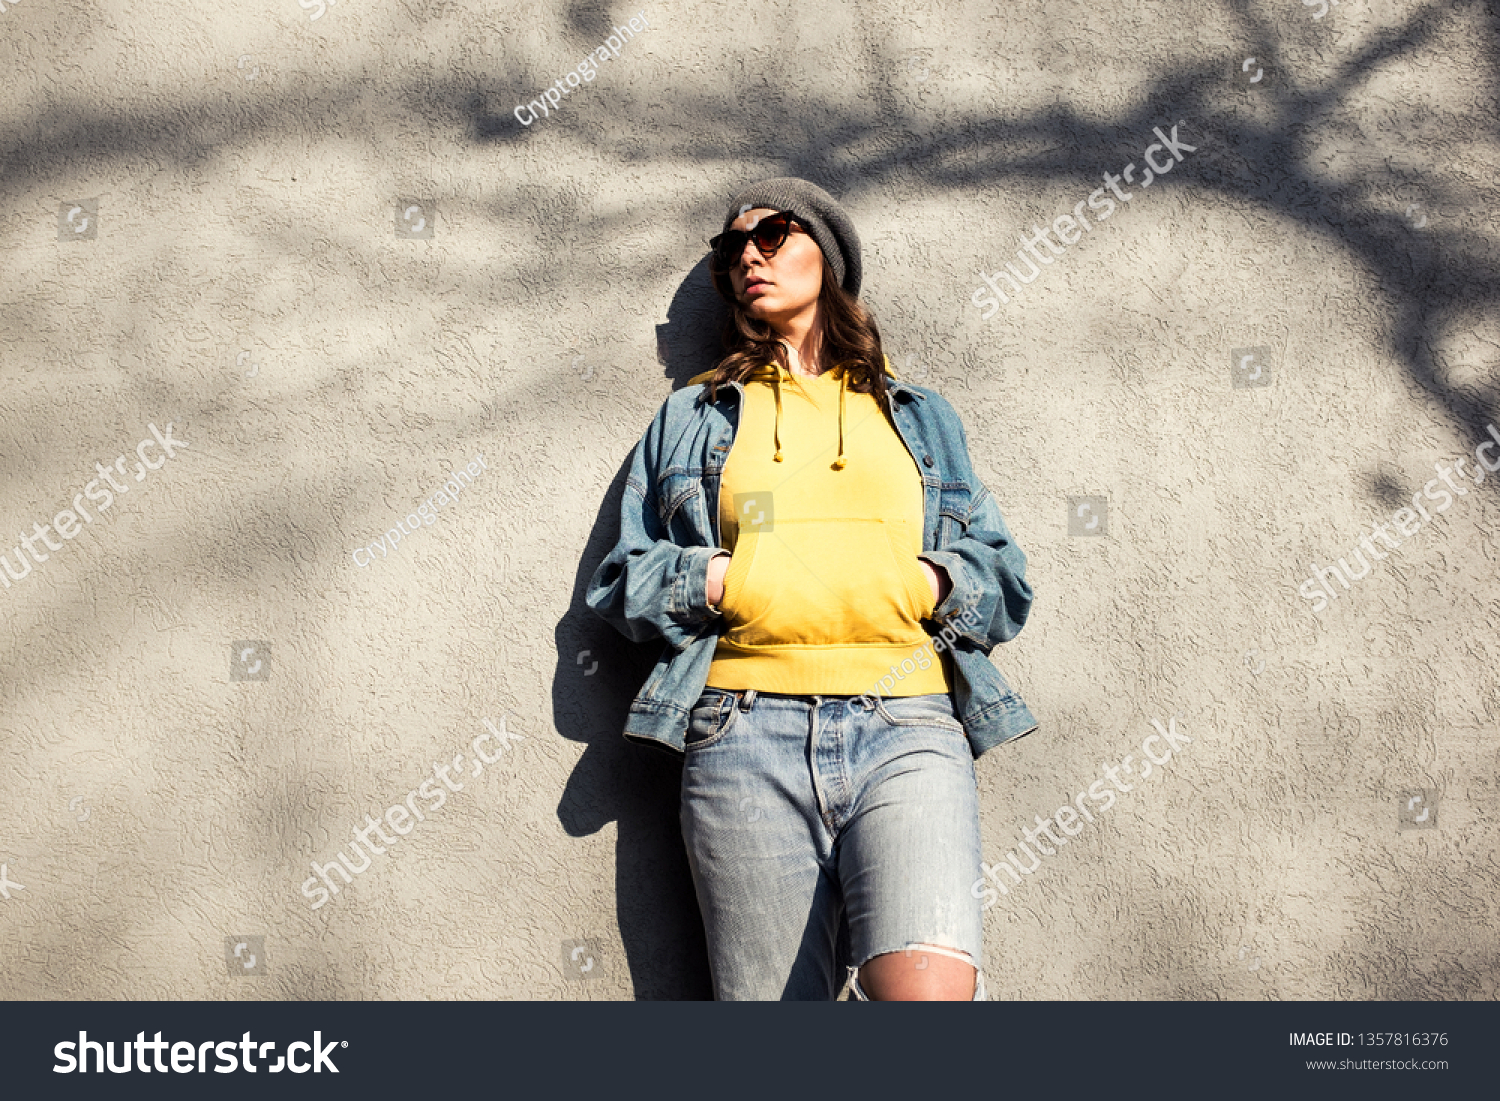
(791,521)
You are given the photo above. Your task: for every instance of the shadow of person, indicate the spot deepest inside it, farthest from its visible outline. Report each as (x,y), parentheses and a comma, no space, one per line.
(690,341)
(599,673)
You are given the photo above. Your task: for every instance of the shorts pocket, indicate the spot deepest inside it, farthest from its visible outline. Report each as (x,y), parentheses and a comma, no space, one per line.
(911,711)
(826,582)
(711,718)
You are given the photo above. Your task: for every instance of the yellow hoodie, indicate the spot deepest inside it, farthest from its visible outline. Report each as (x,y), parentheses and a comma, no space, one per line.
(825,595)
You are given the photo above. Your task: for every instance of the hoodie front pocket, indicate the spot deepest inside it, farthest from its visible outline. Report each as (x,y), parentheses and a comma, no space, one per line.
(825,582)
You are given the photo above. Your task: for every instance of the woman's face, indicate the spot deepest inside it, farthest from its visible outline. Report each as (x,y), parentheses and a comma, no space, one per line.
(782,287)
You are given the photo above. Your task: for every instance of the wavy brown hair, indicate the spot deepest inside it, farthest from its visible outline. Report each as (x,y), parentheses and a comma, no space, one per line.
(850,337)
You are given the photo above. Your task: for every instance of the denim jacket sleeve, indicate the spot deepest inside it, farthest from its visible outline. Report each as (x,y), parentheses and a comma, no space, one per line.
(648,586)
(990,599)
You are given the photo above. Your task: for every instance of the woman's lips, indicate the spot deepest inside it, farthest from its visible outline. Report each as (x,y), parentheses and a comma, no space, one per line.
(752,288)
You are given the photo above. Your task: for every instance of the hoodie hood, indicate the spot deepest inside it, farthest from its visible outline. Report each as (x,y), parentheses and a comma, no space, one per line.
(775,374)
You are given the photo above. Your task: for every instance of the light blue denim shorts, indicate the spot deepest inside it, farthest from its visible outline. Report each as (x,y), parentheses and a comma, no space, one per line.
(823,831)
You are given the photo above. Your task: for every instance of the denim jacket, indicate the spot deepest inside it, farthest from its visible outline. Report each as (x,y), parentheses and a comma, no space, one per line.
(653,584)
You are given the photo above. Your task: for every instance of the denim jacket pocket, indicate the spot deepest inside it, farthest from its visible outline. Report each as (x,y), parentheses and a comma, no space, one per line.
(954,504)
(676,496)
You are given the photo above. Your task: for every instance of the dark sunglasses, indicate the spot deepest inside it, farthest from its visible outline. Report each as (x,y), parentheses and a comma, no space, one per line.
(769,234)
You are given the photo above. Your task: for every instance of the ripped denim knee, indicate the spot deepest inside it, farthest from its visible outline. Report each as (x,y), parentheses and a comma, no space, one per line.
(857,992)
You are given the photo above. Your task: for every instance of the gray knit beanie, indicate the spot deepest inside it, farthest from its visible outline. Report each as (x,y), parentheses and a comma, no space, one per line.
(817,212)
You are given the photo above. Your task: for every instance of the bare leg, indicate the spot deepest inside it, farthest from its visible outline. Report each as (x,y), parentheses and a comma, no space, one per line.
(918,976)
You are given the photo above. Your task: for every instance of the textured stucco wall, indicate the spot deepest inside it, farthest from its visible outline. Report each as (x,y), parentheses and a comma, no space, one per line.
(245,276)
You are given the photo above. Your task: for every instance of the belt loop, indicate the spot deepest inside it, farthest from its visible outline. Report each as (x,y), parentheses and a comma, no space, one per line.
(747,700)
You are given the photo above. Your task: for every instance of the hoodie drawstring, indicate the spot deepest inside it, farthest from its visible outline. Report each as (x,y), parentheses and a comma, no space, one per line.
(838,463)
(776,431)
(775,373)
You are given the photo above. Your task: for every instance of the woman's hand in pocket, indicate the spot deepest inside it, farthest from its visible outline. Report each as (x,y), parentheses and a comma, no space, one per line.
(937,580)
(718,566)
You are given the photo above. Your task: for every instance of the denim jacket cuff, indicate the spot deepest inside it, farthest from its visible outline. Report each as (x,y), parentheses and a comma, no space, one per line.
(962,601)
(690,594)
